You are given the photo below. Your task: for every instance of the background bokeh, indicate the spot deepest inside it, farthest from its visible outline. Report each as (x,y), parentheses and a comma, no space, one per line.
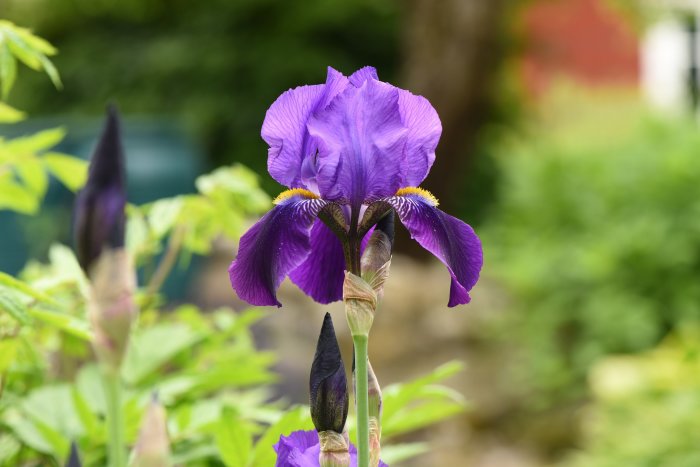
(570,143)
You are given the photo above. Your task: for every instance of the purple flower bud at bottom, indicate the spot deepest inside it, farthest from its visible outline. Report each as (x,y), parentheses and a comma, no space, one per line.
(301,449)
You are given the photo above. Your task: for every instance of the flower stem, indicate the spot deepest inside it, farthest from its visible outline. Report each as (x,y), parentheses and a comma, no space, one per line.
(115,420)
(361,400)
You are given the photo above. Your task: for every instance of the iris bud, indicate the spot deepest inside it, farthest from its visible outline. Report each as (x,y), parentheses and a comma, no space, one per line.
(152,445)
(99,242)
(99,207)
(328,383)
(377,256)
(73,457)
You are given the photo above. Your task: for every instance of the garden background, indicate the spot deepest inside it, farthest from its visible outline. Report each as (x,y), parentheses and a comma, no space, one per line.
(570,144)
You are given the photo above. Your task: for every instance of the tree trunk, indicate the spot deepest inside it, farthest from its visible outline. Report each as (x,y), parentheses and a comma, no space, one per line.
(453,51)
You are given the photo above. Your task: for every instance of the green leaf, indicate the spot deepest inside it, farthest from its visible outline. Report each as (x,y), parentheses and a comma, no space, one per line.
(233,440)
(8,350)
(37,142)
(8,70)
(66,265)
(32,173)
(22,50)
(87,417)
(395,453)
(69,170)
(419,403)
(67,323)
(13,306)
(16,197)
(163,214)
(19,286)
(54,406)
(9,447)
(297,418)
(27,432)
(36,42)
(10,114)
(155,346)
(414,418)
(51,71)
(397,396)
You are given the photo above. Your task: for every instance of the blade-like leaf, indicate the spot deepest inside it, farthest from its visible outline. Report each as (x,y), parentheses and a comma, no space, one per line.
(234,440)
(13,305)
(8,70)
(10,114)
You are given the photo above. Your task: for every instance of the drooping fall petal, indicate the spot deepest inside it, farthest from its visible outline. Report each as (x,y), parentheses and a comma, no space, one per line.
(452,241)
(276,245)
(321,274)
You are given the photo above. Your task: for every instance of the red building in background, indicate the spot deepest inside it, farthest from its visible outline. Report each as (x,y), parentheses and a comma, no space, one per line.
(583,40)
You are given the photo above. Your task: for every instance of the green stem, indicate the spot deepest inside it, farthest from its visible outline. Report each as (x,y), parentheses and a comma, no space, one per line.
(115,418)
(361,400)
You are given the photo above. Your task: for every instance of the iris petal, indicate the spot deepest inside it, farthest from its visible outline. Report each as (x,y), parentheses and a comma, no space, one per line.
(424,130)
(284,128)
(360,140)
(301,449)
(452,241)
(362,75)
(273,247)
(322,273)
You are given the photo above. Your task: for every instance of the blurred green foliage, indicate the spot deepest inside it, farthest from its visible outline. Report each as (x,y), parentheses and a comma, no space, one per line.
(27,161)
(645,408)
(597,238)
(216,64)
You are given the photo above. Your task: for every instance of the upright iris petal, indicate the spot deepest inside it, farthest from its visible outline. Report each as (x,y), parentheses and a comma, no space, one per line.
(360,141)
(284,128)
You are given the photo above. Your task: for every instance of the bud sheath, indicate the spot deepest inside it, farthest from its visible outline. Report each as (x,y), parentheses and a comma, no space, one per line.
(334,449)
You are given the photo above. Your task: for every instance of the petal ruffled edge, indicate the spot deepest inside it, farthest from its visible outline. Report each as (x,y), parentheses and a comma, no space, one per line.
(284,127)
(360,139)
(452,241)
(422,137)
(273,247)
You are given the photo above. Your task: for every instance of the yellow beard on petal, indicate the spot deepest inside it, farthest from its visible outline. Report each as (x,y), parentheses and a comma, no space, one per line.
(294,192)
(423,193)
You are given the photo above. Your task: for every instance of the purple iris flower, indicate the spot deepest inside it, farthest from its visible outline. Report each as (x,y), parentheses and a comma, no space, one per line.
(301,449)
(350,150)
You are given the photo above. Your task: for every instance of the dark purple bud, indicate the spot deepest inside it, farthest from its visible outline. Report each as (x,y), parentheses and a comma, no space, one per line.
(99,207)
(328,384)
(73,457)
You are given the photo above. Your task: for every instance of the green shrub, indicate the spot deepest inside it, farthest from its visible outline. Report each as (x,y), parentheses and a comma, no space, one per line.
(645,408)
(597,238)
